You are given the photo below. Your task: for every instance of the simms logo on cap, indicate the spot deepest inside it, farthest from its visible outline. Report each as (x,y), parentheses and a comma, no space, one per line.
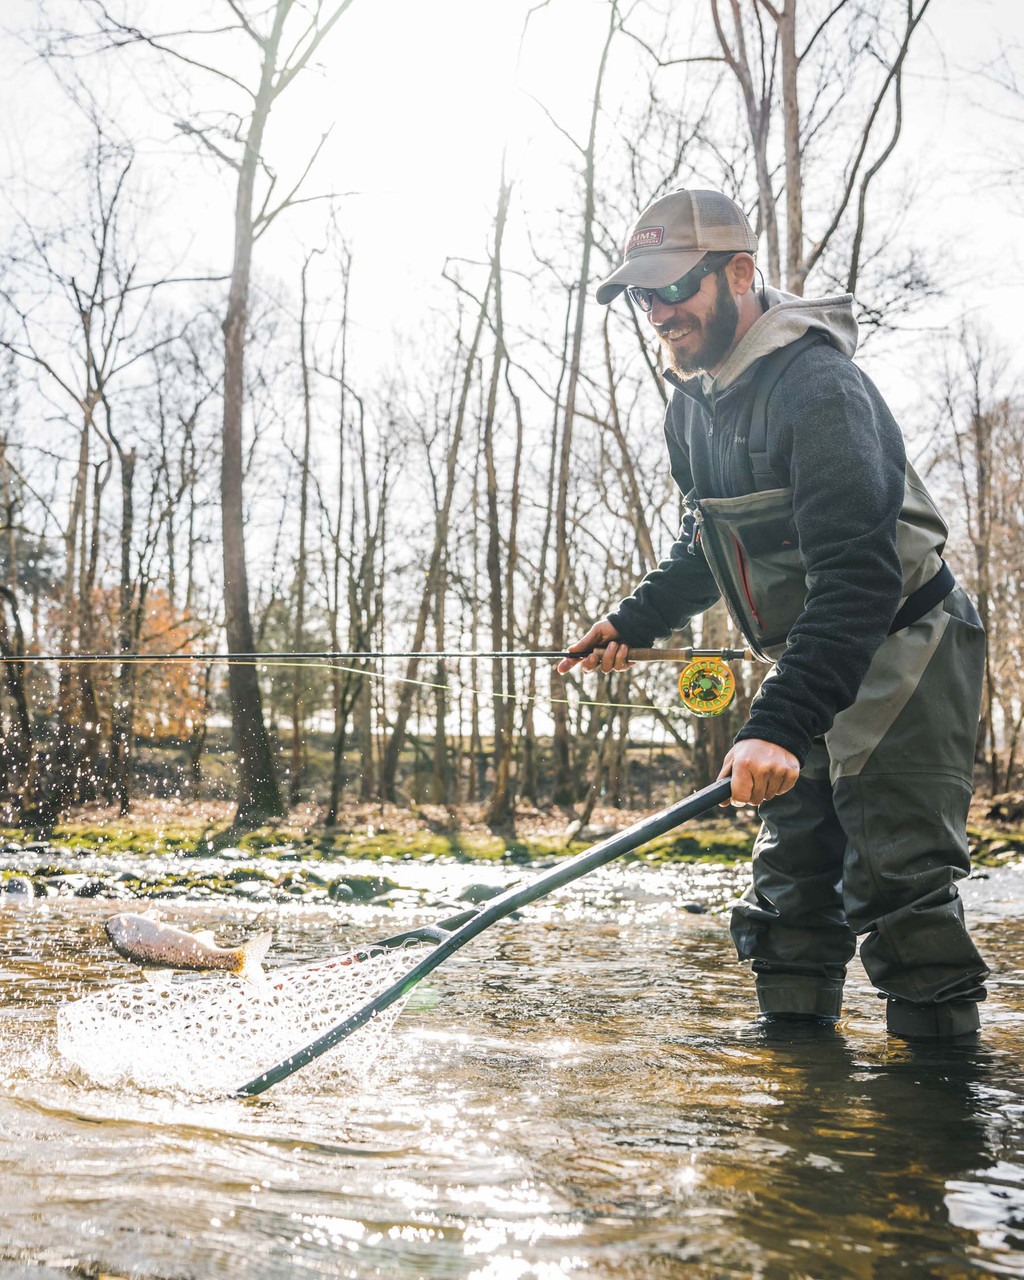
(645,238)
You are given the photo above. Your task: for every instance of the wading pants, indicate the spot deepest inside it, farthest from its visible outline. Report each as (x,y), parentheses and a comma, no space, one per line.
(871,840)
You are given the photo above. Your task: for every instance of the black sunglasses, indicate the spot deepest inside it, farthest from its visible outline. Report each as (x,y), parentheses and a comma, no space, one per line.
(683,288)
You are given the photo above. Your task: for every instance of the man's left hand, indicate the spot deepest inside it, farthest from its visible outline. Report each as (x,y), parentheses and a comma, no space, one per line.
(760,770)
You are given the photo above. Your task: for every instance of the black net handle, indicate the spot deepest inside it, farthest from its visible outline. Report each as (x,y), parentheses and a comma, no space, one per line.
(456,932)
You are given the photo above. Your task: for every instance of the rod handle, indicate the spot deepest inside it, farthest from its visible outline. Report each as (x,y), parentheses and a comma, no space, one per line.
(685,655)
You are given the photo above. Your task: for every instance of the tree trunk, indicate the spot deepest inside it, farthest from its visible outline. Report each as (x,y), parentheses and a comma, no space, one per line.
(499,809)
(562,762)
(123,711)
(794,159)
(299,635)
(258,795)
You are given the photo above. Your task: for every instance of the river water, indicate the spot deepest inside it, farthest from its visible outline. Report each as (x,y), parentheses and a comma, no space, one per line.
(580,1092)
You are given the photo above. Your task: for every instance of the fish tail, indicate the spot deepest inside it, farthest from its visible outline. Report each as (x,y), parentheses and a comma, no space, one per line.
(252,952)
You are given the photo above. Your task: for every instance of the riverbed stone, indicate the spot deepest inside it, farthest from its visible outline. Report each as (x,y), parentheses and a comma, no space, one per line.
(366,887)
(91,889)
(253,890)
(18,887)
(476,893)
(242,875)
(397,897)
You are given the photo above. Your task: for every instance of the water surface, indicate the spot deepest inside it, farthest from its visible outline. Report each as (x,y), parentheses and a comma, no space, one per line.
(581,1092)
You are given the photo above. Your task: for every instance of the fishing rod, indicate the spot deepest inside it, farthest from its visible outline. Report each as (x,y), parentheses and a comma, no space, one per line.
(365,655)
(707,686)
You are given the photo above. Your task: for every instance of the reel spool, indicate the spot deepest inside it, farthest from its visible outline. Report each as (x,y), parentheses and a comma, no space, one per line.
(707,686)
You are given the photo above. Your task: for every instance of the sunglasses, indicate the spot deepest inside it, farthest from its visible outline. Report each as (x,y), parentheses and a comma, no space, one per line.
(683,288)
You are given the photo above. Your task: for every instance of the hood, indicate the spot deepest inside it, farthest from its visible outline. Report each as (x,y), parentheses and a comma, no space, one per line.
(788,318)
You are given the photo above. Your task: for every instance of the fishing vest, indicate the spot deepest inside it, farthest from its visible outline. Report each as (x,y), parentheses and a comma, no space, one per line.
(752,547)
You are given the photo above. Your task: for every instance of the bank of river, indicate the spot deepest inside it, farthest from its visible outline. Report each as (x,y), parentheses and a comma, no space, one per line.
(584,1092)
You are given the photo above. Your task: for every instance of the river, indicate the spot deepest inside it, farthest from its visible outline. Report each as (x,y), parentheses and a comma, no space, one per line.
(583,1091)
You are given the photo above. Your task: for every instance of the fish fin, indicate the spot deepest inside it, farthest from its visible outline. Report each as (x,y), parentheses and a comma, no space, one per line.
(206,937)
(156,977)
(253,952)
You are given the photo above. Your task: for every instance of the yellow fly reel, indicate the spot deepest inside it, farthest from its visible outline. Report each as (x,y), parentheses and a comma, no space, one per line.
(707,686)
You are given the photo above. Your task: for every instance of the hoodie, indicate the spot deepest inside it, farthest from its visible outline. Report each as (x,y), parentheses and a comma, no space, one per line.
(856,503)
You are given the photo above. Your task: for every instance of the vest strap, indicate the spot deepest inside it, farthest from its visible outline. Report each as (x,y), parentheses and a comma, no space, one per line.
(772,368)
(924,599)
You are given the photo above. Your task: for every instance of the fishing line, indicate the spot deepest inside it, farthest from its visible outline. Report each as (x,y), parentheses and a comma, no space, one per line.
(233,660)
(316,660)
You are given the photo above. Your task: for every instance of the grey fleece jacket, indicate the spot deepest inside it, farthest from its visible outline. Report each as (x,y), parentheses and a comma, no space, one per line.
(832,438)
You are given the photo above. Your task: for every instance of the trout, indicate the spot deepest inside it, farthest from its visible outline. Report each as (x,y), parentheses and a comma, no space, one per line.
(144,939)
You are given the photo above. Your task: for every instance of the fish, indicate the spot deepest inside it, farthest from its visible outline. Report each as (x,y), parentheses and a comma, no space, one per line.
(146,940)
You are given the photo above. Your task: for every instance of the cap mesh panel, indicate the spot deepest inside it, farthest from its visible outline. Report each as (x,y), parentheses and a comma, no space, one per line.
(720,223)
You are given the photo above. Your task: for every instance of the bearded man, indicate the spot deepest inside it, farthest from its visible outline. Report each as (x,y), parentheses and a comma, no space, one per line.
(804,514)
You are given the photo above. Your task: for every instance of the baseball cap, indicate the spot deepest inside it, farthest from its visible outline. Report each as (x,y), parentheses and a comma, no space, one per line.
(672,235)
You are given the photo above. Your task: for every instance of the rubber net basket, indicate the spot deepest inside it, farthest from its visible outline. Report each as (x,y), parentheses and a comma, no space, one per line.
(211,1034)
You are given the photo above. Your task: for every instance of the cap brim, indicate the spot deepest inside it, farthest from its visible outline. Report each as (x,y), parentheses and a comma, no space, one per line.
(653,270)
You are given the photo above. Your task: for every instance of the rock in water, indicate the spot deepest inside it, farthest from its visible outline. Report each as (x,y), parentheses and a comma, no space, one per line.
(19,887)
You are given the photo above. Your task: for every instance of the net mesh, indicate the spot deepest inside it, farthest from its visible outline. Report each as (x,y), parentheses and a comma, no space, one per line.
(213,1034)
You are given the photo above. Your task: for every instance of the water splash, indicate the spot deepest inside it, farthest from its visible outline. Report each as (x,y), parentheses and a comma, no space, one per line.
(209,1035)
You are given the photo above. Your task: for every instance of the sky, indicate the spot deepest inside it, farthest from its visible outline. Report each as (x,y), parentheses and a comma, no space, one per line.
(420,97)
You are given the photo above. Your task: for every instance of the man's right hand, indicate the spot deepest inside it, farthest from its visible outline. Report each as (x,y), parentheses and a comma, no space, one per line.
(602,635)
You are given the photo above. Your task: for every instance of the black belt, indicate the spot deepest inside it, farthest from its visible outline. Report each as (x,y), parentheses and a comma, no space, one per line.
(924,599)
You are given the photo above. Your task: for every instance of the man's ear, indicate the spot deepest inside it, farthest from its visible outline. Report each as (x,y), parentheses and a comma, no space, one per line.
(739,271)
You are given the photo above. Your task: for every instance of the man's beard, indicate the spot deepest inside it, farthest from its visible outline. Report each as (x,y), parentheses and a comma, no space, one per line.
(719,330)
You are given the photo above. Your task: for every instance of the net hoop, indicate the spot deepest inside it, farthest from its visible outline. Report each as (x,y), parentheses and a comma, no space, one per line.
(209,1034)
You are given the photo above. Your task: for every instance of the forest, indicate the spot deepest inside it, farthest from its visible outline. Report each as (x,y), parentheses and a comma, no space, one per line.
(208,447)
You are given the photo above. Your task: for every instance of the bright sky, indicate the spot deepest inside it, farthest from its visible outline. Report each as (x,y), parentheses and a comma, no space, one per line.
(422,95)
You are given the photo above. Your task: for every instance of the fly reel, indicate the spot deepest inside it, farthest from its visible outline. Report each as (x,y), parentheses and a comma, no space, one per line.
(707,686)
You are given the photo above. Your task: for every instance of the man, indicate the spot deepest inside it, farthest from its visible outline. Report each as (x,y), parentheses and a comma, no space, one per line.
(803,512)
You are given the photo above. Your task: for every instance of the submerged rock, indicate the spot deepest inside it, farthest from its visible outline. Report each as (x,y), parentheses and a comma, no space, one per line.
(365,887)
(92,889)
(477,893)
(18,887)
(243,875)
(254,890)
(396,897)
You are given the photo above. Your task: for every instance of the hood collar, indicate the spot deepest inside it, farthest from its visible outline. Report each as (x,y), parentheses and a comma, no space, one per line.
(787,318)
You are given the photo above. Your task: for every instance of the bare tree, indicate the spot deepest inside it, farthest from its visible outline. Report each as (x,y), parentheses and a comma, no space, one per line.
(562,783)
(285,37)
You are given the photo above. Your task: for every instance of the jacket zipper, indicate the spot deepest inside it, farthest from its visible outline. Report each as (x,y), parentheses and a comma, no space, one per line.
(745,580)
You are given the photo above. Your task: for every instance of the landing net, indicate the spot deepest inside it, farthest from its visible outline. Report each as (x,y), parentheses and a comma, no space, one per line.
(211,1034)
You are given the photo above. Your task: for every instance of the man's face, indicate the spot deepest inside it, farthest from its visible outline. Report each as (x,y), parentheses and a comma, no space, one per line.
(697,333)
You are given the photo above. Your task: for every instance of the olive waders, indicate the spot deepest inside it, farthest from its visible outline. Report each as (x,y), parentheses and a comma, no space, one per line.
(872,838)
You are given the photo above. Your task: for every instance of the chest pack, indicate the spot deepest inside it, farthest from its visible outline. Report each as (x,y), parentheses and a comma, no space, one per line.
(752,545)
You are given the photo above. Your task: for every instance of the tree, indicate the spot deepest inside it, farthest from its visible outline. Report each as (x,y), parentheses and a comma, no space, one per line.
(281,60)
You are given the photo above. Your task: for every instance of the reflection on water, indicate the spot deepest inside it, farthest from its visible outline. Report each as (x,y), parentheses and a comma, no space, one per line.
(581,1092)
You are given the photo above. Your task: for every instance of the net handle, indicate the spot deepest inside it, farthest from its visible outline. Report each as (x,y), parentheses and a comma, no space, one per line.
(464,927)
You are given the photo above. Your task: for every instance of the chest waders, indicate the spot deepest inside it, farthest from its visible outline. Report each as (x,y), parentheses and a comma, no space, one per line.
(872,838)
(752,547)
